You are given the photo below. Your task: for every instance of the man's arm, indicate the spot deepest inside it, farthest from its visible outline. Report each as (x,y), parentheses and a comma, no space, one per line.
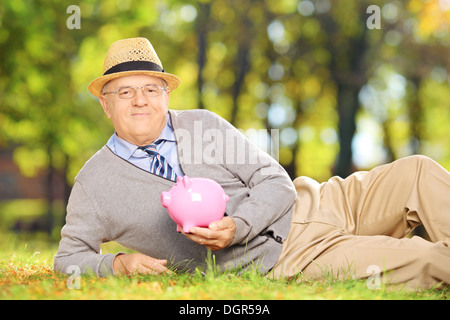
(82,236)
(270,193)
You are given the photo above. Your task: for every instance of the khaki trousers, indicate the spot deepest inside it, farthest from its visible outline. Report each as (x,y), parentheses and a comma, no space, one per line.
(356,227)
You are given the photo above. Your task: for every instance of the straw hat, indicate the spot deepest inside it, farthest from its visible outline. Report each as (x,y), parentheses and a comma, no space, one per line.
(128,57)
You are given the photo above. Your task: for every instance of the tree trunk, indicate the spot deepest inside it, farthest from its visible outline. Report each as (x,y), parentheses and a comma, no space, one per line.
(202,41)
(348,107)
(49,191)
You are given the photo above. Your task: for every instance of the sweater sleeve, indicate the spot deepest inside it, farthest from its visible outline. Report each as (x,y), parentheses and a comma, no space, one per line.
(81,238)
(271,193)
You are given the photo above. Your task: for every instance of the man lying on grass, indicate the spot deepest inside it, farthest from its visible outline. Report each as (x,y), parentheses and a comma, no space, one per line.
(281,227)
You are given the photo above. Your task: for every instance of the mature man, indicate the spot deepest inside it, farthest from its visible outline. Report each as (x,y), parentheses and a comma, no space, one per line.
(344,227)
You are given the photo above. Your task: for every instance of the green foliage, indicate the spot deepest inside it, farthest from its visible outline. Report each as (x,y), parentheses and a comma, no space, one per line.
(288,57)
(343,97)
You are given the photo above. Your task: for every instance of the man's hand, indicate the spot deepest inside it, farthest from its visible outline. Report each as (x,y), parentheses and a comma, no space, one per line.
(218,235)
(127,264)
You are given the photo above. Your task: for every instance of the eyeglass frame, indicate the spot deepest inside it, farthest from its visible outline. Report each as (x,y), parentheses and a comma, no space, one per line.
(135,91)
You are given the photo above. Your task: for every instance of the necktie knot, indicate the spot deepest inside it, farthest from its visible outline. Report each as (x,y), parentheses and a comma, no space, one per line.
(150,149)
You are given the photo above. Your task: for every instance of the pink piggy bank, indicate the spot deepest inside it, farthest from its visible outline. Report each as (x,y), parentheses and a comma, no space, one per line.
(194,202)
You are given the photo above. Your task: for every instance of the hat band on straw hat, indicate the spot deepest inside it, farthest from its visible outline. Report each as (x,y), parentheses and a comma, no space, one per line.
(133,66)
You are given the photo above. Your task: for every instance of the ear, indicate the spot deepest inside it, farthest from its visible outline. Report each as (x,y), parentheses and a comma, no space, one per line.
(104,103)
(167,93)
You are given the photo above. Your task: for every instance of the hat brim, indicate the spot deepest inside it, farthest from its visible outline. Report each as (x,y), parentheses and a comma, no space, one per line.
(96,86)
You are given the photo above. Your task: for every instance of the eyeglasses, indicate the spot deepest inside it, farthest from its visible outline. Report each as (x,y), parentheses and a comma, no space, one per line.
(151,90)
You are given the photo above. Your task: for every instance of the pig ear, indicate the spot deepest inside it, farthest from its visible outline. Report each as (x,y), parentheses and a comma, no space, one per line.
(179,178)
(187,182)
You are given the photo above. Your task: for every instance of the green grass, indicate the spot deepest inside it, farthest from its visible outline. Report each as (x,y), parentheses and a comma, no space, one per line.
(26,273)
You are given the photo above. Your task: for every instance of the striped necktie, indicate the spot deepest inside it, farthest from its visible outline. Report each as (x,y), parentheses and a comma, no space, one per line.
(158,164)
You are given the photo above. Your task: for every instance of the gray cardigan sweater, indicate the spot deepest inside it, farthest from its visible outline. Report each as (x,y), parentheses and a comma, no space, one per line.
(113,200)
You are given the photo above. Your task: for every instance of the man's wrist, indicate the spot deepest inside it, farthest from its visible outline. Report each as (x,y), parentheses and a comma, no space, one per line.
(117,265)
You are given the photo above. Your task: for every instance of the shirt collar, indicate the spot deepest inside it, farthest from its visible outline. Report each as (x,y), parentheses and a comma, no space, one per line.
(125,149)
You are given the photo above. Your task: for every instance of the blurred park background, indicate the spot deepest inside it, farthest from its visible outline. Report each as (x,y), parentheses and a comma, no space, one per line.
(346,85)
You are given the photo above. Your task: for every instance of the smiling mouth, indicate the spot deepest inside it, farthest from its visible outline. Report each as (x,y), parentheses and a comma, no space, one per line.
(141,114)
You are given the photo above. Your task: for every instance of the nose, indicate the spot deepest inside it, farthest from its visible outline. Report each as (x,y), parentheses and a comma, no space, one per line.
(139,99)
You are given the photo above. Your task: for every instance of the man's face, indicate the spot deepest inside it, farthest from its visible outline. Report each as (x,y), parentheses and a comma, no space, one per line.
(140,119)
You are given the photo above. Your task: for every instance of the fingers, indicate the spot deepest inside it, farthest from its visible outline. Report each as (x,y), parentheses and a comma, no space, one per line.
(134,263)
(217,236)
(202,236)
(154,266)
(224,223)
